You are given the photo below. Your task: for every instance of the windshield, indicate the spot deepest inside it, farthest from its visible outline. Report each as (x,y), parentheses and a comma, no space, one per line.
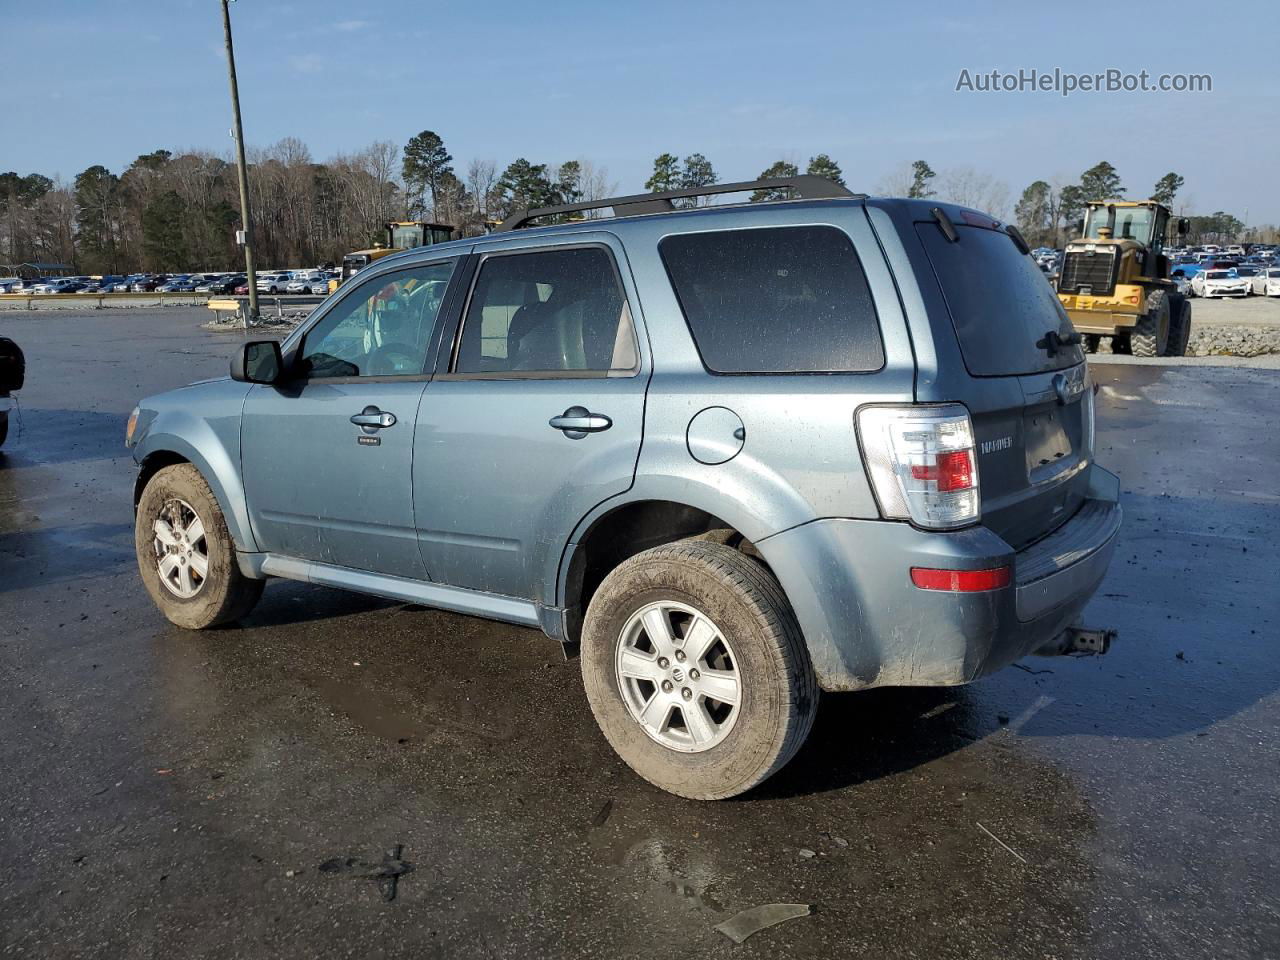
(1132,223)
(1217,275)
(406,236)
(1246,271)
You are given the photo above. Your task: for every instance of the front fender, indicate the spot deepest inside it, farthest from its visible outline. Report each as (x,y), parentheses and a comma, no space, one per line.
(213,447)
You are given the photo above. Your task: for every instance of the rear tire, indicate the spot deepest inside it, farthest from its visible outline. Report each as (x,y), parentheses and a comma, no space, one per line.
(4,427)
(222,593)
(1150,338)
(711,589)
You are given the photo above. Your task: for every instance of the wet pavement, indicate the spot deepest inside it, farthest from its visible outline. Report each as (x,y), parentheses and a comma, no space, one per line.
(168,793)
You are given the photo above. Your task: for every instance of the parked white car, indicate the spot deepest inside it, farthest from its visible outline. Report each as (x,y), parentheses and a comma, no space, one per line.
(1267,282)
(1220,283)
(273,282)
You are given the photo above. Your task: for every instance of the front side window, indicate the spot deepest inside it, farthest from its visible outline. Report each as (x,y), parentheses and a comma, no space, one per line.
(548,312)
(383,328)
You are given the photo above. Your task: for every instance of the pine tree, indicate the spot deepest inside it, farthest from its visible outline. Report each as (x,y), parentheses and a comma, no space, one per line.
(1167,188)
(823,166)
(777,170)
(666,174)
(921,174)
(1101,182)
(425,163)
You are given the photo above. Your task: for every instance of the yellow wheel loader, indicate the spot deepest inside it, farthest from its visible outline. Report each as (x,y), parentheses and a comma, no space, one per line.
(1115,281)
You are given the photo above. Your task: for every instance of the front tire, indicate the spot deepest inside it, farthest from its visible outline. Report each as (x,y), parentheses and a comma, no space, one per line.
(4,427)
(1150,338)
(696,670)
(185,553)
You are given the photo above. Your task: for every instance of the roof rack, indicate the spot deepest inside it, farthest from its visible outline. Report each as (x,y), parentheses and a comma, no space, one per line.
(805,186)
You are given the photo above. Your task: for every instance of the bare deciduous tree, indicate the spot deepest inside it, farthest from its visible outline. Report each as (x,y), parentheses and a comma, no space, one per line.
(972,188)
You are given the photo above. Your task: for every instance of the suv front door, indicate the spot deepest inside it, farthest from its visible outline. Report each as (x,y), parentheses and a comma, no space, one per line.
(535,418)
(327,455)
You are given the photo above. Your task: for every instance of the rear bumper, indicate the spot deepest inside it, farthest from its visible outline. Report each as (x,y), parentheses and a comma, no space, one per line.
(866,625)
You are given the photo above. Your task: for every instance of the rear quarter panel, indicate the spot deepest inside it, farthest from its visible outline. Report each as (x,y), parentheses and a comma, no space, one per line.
(799,459)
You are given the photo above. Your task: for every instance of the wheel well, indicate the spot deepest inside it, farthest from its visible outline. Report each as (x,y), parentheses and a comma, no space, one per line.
(153,464)
(631,529)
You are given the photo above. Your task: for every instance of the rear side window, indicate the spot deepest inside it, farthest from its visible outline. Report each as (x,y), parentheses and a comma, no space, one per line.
(548,313)
(1000,302)
(775,300)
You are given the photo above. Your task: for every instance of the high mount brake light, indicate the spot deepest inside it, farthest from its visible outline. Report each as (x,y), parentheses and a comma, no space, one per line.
(923,463)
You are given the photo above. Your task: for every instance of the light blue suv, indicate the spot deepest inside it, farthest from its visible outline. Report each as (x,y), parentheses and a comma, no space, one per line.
(733,454)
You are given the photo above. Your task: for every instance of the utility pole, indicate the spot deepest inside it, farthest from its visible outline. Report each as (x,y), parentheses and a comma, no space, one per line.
(241,170)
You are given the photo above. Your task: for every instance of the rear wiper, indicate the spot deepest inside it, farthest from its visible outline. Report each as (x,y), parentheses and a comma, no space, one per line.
(1018,240)
(948,228)
(1052,340)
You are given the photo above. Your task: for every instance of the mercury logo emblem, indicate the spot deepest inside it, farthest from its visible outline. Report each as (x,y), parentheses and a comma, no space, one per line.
(677,675)
(1000,443)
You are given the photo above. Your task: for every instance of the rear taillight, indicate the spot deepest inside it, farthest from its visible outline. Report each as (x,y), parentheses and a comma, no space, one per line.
(922,463)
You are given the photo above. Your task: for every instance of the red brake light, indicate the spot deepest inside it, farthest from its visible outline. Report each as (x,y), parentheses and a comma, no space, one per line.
(950,471)
(960,581)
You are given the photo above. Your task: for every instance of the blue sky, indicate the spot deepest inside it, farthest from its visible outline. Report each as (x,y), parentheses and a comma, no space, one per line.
(619,82)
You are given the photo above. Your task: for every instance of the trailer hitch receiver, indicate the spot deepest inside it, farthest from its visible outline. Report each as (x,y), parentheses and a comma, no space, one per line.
(1079,640)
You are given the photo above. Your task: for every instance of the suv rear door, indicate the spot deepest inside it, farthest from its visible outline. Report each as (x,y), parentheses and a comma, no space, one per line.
(1027,391)
(534,416)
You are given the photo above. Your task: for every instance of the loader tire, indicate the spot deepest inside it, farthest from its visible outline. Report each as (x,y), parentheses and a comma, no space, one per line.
(1150,338)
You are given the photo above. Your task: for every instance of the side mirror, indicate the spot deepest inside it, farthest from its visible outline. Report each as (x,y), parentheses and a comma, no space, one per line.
(1184,226)
(258,361)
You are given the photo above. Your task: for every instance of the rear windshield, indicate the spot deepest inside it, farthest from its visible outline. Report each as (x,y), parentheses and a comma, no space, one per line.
(775,300)
(1000,303)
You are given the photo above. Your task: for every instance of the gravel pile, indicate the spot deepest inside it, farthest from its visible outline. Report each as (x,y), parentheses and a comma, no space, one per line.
(232,321)
(1222,341)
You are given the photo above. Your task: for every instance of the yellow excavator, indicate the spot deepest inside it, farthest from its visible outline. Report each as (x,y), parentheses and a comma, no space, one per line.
(1114,280)
(401,235)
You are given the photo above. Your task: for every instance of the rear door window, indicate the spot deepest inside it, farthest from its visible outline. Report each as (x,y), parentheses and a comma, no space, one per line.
(1001,305)
(775,300)
(548,313)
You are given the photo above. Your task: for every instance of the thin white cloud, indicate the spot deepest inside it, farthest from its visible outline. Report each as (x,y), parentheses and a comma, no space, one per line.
(307,62)
(350,26)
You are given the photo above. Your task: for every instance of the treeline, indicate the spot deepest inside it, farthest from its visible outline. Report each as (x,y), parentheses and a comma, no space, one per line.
(170,212)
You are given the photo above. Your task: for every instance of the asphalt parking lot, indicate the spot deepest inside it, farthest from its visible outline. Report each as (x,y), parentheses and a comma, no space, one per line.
(176,794)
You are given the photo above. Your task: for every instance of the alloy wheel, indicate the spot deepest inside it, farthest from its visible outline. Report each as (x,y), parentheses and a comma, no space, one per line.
(678,676)
(181,550)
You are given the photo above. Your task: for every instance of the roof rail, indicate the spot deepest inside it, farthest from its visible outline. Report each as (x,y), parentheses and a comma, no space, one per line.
(806,187)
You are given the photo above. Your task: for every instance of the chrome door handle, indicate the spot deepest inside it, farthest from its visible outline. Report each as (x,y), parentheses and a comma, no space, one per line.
(577,422)
(371,418)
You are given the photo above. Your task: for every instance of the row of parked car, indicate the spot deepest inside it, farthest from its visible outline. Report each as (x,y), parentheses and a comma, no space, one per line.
(1230,271)
(274,281)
